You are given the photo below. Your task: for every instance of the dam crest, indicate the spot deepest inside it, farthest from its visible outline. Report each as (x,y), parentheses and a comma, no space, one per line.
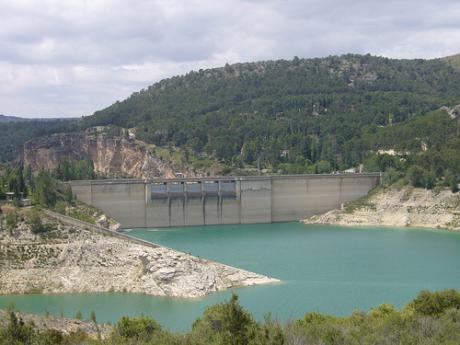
(222,200)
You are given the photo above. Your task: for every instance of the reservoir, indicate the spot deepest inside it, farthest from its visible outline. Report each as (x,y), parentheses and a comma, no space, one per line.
(328,269)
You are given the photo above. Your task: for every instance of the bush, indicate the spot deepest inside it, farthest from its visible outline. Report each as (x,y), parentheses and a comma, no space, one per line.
(391,176)
(452,182)
(34,220)
(139,328)
(428,179)
(415,175)
(435,303)
(11,219)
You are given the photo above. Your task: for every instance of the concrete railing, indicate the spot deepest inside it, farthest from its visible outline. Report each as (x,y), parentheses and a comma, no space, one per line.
(98,229)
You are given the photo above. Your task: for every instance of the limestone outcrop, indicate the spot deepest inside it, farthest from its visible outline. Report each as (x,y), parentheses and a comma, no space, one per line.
(112,155)
(415,207)
(73,259)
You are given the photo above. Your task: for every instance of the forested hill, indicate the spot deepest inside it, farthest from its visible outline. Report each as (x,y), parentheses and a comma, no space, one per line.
(286,112)
(296,116)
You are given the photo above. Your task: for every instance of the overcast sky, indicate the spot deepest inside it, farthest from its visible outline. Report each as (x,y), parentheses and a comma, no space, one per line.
(73,57)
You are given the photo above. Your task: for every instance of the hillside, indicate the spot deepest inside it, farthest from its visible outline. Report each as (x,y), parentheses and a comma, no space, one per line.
(298,116)
(5,118)
(282,111)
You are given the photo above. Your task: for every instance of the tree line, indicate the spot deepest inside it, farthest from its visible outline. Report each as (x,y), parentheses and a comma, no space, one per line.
(432,318)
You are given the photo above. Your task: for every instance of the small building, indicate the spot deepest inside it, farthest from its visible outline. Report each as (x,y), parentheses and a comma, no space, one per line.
(9,196)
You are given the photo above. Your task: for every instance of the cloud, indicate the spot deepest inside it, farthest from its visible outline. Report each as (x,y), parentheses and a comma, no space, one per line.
(70,58)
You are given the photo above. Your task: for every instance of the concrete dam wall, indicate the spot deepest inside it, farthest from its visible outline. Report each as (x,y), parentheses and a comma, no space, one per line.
(222,200)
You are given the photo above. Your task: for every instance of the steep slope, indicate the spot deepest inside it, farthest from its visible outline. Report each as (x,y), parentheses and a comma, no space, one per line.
(110,155)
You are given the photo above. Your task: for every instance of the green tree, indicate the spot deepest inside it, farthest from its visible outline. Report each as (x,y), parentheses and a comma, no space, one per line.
(323,167)
(227,323)
(45,193)
(415,175)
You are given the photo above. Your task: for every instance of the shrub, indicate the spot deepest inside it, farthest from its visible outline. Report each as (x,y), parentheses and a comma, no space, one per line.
(35,222)
(415,175)
(139,328)
(11,219)
(435,303)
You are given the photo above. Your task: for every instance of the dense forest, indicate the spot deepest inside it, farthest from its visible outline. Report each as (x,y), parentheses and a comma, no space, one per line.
(432,318)
(285,111)
(297,116)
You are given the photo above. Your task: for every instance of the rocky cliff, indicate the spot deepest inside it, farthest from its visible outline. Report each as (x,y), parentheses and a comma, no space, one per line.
(391,206)
(112,155)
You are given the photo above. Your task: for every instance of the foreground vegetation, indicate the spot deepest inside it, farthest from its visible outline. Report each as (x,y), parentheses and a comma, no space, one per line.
(431,318)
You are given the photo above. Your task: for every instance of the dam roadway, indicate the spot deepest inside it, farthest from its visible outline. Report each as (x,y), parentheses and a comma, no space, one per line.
(221,200)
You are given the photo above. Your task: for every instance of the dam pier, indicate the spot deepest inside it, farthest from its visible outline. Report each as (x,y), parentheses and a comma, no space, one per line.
(221,200)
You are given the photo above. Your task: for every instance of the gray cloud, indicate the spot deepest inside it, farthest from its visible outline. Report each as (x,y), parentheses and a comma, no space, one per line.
(72,57)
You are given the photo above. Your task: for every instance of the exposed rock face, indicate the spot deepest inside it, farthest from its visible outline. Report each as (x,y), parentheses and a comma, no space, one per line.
(72,259)
(415,207)
(453,112)
(110,155)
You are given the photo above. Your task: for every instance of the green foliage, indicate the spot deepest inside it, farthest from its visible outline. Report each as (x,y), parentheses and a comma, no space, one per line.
(138,329)
(226,323)
(433,318)
(435,303)
(298,116)
(323,167)
(415,175)
(11,219)
(334,109)
(45,192)
(34,221)
(13,180)
(79,170)
(78,315)
(15,134)
(451,181)
(16,332)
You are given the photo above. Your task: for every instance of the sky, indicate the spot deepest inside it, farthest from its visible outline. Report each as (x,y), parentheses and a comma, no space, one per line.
(69,58)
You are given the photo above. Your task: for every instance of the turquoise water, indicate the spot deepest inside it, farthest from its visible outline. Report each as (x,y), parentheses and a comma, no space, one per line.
(323,268)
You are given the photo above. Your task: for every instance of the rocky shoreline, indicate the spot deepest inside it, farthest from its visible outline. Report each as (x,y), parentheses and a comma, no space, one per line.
(400,207)
(73,259)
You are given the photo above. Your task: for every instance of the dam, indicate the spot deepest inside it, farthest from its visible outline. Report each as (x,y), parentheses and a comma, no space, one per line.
(221,200)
